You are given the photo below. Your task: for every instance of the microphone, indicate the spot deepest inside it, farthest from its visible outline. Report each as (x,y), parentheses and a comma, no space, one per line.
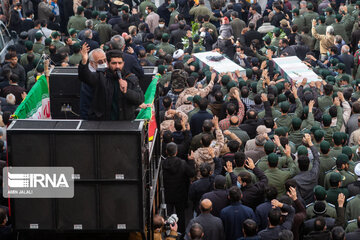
(118,72)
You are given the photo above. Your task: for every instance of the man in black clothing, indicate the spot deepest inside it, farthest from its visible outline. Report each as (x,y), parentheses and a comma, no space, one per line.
(116,92)
(176,173)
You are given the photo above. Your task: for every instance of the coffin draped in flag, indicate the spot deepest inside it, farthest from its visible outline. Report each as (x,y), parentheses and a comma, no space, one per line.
(36,105)
(149,113)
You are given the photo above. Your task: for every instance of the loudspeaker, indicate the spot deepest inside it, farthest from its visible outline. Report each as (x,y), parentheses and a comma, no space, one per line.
(108,163)
(149,72)
(64,86)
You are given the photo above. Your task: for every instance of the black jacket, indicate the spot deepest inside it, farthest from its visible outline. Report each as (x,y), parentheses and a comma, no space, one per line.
(103,83)
(253,194)
(318,235)
(219,199)
(27,24)
(177,35)
(353,235)
(92,44)
(132,65)
(176,173)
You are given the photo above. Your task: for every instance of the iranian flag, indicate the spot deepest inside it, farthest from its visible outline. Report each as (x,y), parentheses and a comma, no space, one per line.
(149,113)
(36,105)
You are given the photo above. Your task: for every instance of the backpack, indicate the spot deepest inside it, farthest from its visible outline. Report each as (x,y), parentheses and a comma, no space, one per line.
(178,79)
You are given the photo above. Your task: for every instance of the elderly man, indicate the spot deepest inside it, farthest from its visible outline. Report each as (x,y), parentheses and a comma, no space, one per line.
(326,41)
(347,58)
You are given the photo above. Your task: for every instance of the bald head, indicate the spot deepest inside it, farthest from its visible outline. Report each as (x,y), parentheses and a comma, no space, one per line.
(205,205)
(234,121)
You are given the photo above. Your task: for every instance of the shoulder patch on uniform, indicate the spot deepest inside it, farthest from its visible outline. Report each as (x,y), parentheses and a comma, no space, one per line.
(351,221)
(329,171)
(349,199)
(331,205)
(309,205)
(351,173)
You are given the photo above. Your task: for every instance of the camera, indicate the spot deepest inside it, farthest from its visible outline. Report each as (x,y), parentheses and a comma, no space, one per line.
(171,221)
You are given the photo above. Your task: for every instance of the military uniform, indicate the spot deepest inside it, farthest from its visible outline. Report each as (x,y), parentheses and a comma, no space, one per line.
(237,171)
(152,59)
(353,207)
(357,64)
(77,22)
(275,41)
(277,177)
(75,59)
(309,16)
(172,17)
(348,22)
(104,31)
(167,48)
(214,33)
(262,163)
(201,10)
(330,20)
(335,152)
(347,178)
(330,210)
(326,164)
(24,61)
(275,113)
(296,137)
(333,193)
(75,39)
(339,29)
(38,48)
(299,21)
(350,8)
(58,44)
(325,102)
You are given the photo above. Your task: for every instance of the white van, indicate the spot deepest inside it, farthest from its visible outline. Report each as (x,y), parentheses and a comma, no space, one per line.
(6,40)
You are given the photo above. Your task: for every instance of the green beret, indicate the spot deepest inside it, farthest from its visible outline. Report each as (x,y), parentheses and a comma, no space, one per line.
(276,30)
(281,98)
(347,151)
(335,177)
(322,19)
(340,66)
(194,74)
(330,78)
(334,61)
(94,14)
(207,75)
(272,48)
(266,38)
(161,69)
(225,79)
(29,45)
(80,9)
(230,85)
(337,138)
(254,86)
(342,158)
(38,36)
(125,8)
(279,86)
(72,31)
(326,118)
(196,38)
(242,83)
(345,78)
(165,37)
(55,34)
(310,6)
(302,150)
(40,68)
(102,16)
(319,134)
(319,192)
(296,122)
(269,146)
(338,17)
(47,41)
(328,9)
(249,72)
(273,158)
(313,129)
(150,47)
(194,99)
(296,10)
(345,136)
(284,106)
(280,131)
(324,146)
(325,72)
(196,65)
(76,46)
(171,5)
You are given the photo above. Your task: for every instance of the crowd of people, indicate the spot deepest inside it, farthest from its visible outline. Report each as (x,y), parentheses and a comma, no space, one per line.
(246,155)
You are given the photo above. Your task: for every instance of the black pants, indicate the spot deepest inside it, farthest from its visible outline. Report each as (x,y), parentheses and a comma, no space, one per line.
(179,209)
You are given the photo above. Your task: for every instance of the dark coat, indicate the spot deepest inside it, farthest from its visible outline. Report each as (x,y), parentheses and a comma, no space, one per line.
(253,194)
(261,213)
(15,21)
(27,24)
(233,217)
(219,199)
(92,44)
(132,65)
(251,35)
(14,89)
(103,83)
(177,35)
(315,235)
(213,227)
(249,126)
(176,173)
(164,13)
(197,121)
(348,60)
(353,235)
